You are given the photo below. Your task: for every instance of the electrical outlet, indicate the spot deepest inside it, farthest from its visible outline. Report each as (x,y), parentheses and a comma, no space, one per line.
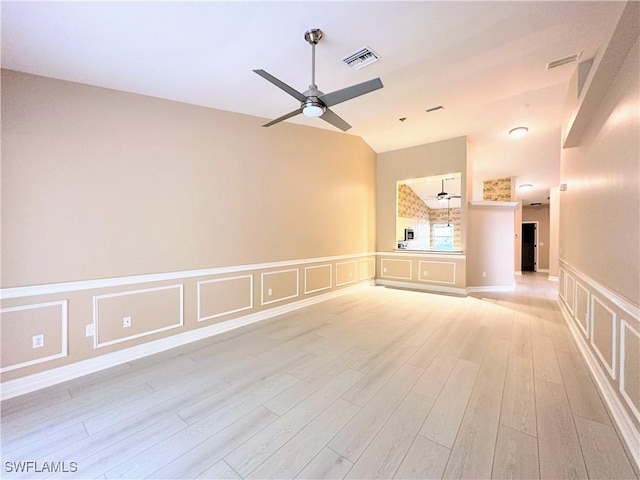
(37,341)
(484,274)
(126,322)
(90,330)
(350,274)
(270,292)
(425,273)
(384,270)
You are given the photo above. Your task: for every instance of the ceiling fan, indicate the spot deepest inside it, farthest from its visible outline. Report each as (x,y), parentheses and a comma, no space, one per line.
(314,103)
(443,196)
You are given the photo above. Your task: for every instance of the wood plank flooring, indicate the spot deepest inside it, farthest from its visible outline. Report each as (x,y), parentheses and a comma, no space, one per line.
(377,383)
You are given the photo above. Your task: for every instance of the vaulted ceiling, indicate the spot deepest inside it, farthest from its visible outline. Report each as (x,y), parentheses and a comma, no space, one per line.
(484,62)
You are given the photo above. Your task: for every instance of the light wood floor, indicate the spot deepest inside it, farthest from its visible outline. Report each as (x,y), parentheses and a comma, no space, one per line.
(377,383)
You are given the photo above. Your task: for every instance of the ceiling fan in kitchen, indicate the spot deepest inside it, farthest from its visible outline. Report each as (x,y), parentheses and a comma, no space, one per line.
(313,102)
(442,195)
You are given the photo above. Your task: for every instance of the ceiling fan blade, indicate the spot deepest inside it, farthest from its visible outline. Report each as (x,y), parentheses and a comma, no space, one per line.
(455,196)
(339,96)
(283,117)
(283,86)
(330,117)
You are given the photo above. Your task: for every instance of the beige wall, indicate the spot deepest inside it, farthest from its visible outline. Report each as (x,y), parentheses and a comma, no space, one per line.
(599,228)
(540,215)
(554,231)
(436,158)
(490,248)
(101,184)
(599,211)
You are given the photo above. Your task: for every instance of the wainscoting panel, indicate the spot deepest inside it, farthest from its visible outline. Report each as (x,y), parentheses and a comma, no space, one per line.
(317,278)
(345,273)
(629,361)
(570,292)
(279,286)
(367,268)
(606,329)
(224,296)
(19,326)
(148,311)
(581,313)
(603,338)
(437,272)
(400,269)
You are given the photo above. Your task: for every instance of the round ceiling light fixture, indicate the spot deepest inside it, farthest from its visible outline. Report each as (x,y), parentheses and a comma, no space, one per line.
(525,187)
(313,108)
(518,132)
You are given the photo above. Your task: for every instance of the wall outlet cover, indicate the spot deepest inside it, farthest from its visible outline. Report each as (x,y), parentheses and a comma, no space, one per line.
(37,341)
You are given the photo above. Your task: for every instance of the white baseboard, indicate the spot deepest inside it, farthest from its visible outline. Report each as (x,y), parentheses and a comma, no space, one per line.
(422,286)
(30,383)
(491,288)
(626,427)
(543,270)
(553,278)
(518,272)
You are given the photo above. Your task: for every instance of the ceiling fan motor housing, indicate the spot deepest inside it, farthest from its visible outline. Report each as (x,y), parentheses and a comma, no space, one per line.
(313,36)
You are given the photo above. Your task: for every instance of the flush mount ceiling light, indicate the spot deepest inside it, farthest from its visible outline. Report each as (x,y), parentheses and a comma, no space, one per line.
(525,187)
(518,132)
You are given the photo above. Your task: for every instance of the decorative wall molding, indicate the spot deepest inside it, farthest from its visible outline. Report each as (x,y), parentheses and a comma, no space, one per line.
(96,315)
(626,427)
(420,271)
(229,312)
(64,325)
(585,322)
(352,280)
(34,290)
(612,296)
(279,299)
(384,274)
(306,292)
(624,327)
(618,318)
(609,363)
(30,383)
(371,267)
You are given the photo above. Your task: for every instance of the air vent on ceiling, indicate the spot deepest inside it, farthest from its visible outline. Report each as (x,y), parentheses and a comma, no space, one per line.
(363,57)
(563,61)
(435,109)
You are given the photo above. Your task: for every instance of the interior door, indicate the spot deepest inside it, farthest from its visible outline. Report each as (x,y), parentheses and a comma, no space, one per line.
(528,247)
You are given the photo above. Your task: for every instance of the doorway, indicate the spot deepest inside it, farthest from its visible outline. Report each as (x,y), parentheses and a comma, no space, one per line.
(529,246)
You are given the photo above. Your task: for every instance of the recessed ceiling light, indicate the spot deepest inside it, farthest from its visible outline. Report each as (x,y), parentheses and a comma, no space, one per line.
(525,187)
(518,132)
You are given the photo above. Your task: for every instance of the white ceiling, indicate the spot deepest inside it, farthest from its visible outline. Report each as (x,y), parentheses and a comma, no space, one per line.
(483,61)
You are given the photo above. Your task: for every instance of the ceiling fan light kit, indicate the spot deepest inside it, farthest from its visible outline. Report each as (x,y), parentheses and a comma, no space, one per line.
(313,102)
